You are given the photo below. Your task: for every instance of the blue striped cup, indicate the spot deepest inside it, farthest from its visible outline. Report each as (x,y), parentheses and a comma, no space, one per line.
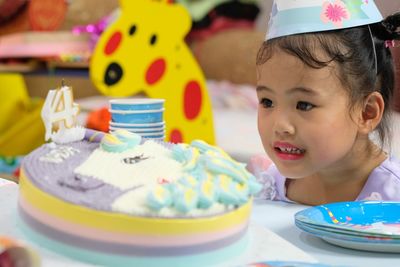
(136,104)
(137,116)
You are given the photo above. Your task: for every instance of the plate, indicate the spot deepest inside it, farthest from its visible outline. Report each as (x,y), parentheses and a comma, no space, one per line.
(348,237)
(374,247)
(368,217)
(366,235)
(287,263)
(371,226)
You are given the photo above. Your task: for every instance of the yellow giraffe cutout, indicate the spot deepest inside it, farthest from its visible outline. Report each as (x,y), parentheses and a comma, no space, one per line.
(144,51)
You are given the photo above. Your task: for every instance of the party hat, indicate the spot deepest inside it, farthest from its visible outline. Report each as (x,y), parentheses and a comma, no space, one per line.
(303,16)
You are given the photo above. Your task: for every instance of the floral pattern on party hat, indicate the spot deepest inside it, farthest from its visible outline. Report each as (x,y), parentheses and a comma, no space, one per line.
(290,17)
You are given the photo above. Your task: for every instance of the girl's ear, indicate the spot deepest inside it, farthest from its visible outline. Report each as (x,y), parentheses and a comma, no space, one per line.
(372,112)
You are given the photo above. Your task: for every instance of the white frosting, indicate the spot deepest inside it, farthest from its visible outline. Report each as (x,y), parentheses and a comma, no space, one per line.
(110,167)
(66,136)
(134,202)
(58,154)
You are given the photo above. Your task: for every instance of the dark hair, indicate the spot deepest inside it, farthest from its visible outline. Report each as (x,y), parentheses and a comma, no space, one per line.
(353,49)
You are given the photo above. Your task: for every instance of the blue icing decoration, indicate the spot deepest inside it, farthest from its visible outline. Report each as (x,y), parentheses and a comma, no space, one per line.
(254,187)
(241,191)
(186,155)
(159,198)
(207,194)
(226,195)
(110,143)
(188,181)
(178,153)
(131,139)
(199,172)
(204,147)
(173,188)
(224,166)
(185,200)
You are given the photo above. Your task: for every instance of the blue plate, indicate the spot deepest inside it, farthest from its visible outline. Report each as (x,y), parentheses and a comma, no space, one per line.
(374,217)
(366,225)
(348,237)
(354,242)
(345,231)
(287,264)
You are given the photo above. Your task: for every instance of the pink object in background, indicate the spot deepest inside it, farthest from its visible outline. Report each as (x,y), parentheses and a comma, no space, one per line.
(44,44)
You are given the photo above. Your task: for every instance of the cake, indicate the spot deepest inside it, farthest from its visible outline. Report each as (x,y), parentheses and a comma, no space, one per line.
(120,200)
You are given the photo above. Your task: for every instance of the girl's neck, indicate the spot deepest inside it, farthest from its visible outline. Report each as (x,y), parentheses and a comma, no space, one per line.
(343,183)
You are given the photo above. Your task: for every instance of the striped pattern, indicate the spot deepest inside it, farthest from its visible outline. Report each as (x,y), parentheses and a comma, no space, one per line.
(127,235)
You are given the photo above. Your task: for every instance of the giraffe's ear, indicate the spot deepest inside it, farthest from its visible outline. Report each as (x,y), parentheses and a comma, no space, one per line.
(183,19)
(165,1)
(125,3)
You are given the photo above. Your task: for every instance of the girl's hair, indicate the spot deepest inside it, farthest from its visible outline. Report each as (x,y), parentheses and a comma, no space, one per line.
(364,60)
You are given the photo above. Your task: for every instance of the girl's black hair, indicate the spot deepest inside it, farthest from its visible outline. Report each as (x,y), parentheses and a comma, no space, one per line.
(365,62)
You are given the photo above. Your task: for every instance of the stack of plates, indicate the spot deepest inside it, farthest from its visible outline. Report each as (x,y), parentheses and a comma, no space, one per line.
(143,116)
(368,225)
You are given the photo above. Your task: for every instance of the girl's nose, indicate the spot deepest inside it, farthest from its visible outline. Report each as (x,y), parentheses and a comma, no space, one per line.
(283,126)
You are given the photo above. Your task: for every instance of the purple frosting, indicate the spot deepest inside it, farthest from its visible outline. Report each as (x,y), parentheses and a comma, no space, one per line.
(59,180)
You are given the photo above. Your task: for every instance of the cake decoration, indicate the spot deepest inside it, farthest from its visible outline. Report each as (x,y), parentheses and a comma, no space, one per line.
(111,143)
(128,137)
(185,199)
(93,135)
(159,197)
(186,155)
(131,199)
(58,154)
(207,194)
(59,110)
(66,136)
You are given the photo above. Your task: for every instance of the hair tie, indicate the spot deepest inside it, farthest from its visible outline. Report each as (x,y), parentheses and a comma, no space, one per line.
(389,43)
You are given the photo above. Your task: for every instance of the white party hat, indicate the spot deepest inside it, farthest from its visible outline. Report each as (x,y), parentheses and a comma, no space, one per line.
(303,16)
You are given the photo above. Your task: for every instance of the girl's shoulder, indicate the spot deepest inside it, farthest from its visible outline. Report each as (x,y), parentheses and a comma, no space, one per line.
(266,173)
(273,184)
(391,165)
(383,182)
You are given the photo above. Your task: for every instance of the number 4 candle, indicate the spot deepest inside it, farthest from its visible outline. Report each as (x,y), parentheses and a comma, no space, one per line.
(59,110)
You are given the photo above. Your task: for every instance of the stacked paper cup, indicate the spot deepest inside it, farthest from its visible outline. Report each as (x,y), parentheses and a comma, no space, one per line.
(143,116)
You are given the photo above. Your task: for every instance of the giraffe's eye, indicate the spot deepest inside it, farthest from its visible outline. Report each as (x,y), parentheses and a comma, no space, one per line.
(132,30)
(153,39)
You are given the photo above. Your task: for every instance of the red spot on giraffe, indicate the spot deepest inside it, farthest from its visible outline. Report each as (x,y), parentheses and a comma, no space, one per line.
(192,100)
(176,136)
(113,43)
(155,71)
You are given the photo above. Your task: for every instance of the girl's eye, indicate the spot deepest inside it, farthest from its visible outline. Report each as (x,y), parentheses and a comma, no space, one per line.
(266,103)
(305,106)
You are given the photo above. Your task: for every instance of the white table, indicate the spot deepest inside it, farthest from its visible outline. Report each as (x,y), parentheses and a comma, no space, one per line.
(271,242)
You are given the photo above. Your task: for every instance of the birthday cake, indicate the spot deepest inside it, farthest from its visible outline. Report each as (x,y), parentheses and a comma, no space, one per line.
(121,199)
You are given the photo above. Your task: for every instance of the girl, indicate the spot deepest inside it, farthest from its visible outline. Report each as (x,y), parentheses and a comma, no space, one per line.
(322,90)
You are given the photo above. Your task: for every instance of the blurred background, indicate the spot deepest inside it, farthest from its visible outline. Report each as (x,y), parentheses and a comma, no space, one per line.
(45,41)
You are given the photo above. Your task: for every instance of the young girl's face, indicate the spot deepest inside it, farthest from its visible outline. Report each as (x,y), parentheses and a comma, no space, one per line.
(303,117)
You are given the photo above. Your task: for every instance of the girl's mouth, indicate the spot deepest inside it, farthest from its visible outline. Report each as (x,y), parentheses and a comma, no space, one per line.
(287,151)
(290,150)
